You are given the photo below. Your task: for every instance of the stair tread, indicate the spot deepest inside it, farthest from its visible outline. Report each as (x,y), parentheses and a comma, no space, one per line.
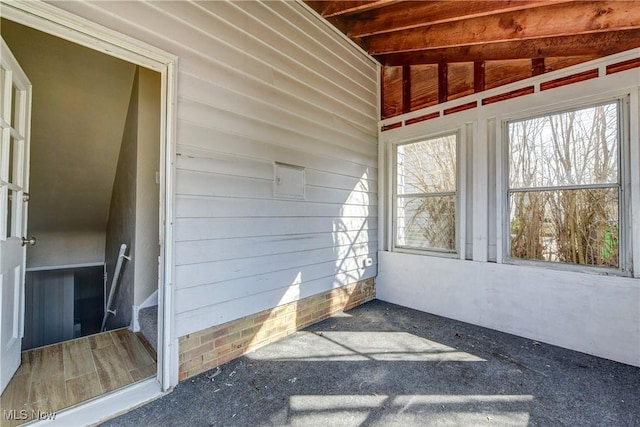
(148,320)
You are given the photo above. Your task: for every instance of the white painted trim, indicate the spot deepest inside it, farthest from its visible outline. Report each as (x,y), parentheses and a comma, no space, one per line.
(490,119)
(52,20)
(392,199)
(634,187)
(501,195)
(75,29)
(135,324)
(464,138)
(151,301)
(600,63)
(623,161)
(382,180)
(107,406)
(65,266)
(480,153)
(168,357)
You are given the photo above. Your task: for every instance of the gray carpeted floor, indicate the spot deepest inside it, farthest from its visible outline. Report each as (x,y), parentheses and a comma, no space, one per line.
(148,319)
(385,365)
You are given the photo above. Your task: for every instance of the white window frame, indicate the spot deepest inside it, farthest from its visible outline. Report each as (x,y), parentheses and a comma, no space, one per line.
(460,162)
(624,183)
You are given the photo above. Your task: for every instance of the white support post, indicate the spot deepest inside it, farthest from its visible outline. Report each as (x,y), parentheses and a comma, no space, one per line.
(500,211)
(466,137)
(634,154)
(480,193)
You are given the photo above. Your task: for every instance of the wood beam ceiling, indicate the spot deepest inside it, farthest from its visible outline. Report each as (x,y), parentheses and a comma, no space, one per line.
(529,24)
(332,9)
(438,50)
(599,44)
(411,15)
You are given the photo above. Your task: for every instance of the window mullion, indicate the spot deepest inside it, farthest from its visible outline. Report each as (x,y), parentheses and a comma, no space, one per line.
(419,195)
(563,187)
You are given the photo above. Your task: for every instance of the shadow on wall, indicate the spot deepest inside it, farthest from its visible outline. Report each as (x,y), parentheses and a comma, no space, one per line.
(352,247)
(351,284)
(354,235)
(216,346)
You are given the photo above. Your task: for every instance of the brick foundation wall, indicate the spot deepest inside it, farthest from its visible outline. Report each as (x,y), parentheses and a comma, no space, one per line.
(204,350)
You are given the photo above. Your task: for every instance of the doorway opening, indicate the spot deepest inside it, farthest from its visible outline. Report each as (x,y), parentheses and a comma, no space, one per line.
(94,187)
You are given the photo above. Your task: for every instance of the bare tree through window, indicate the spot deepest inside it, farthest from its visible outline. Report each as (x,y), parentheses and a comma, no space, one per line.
(564,185)
(426,188)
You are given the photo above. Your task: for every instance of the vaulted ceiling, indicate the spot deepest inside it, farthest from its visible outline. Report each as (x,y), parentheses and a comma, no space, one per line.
(433,51)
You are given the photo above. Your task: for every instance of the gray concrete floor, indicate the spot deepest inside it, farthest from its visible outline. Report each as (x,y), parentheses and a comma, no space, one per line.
(385,365)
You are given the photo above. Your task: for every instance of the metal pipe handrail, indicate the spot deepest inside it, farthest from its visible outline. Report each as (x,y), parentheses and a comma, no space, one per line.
(114,283)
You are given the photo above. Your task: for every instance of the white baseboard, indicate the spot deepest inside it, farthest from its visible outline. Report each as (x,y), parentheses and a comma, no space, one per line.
(150,301)
(135,324)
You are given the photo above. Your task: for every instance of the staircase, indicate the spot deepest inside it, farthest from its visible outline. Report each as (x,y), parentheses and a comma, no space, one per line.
(148,320)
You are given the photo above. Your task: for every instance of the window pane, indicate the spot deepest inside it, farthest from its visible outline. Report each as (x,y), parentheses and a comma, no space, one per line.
(427,222)
(570,226)
(12,161)
(5,84)
(11,214)
(427,167)
(16,105)
(571,148)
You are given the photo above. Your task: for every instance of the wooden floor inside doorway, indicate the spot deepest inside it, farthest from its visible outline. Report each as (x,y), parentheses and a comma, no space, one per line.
(62,375)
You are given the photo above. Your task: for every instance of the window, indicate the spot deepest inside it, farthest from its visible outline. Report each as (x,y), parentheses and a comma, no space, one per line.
(426,193)
(564,195)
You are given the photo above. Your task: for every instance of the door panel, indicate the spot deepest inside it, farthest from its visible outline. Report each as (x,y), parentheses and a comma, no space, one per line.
(15,110)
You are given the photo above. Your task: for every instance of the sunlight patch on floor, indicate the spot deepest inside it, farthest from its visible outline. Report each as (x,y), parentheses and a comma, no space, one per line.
(362,346)
(441,410)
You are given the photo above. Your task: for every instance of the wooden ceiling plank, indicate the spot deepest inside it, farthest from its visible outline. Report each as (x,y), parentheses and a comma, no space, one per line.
(415,14)
(329,9)
(558,20)
(599,44)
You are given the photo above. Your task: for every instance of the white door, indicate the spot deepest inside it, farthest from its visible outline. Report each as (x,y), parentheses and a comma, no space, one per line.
(15,112)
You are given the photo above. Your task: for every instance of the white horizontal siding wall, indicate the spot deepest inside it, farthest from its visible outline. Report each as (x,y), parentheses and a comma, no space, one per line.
(260,83)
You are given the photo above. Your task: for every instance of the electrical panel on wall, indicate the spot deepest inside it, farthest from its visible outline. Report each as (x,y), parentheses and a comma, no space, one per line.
(288,181)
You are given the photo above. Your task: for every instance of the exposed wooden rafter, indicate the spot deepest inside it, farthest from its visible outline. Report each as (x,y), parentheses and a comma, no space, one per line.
(466,46)
(331,9)
(599,44)
(416,14)
(529,24)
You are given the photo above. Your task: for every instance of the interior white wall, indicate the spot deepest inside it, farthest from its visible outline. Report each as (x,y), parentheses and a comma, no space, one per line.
(66,248)
(593,313)
(133,217)
(80,99)
(258,83)
(75,142)
(147,188)
(121,225)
